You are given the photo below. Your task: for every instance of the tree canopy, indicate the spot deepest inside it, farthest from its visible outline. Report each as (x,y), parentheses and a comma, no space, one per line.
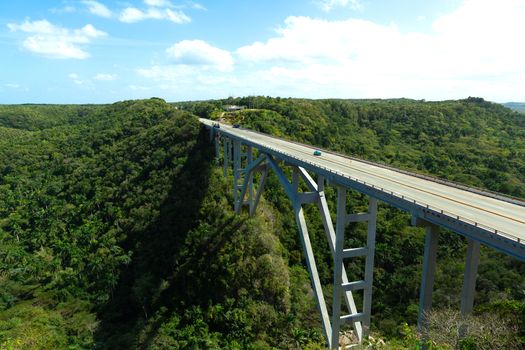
(116,228)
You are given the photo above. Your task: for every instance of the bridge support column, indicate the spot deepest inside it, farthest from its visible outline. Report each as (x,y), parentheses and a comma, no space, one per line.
(230,151)
(249,177)
(322,205)
(369,264)
(247,182)
(469,280)
(469,283)
(340,287)
(312,267)
(298,199)
(427,278)
(217,147)
(226,155)
(236,174)
(260,189)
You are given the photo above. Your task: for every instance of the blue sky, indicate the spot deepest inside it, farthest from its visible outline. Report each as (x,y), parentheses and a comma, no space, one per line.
(87,51)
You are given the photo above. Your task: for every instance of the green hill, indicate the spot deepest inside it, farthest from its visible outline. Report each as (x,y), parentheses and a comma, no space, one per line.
(116,228)
(471,141)
(516,106)
(116,232)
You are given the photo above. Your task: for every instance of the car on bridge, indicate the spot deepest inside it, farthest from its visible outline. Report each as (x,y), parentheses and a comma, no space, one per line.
(317,152)
(236,126)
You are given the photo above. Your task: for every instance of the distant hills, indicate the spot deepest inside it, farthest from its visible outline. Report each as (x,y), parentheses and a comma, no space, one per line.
(516,106)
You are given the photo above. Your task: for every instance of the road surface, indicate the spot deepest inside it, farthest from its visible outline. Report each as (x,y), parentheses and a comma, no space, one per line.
(505,218)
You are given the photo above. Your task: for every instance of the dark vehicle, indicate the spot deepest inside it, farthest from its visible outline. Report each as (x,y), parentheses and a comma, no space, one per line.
(216,125)
(236,126)
(317,152)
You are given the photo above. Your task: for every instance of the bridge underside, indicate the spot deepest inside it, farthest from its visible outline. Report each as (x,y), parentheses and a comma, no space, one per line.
(247,193)
(244,169)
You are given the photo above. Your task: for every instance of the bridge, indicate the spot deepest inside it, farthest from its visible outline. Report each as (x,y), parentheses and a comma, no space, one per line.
(482,217)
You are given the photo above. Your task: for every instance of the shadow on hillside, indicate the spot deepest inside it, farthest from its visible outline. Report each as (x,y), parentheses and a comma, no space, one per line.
(139,293)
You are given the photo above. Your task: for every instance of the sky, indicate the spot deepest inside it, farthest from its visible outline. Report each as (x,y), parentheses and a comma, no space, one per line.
(102,51)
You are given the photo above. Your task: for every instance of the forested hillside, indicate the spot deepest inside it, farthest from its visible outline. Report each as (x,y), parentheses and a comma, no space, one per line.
(516,106)
(116,232)
(470,141)
(116,228)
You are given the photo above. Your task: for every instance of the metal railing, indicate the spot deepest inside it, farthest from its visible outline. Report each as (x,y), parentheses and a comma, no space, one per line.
(380,164)
(395,194)
(398,195)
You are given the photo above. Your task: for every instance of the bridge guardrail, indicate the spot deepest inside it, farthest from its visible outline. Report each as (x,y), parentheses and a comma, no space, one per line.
(503,234)
(483,192)
(451,215)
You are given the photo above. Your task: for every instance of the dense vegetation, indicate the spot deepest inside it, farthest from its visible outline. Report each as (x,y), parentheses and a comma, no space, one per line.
(471,141)
(116,229)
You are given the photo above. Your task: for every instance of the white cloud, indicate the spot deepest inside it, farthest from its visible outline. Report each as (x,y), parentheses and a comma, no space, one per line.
(200,53)
(307,40)
(132,15)
(41,27)
(89,31)
(158,3)
(185,81)
(105,77)
(184,77)
(97,8)
(65,9)
(167,73)
(139,88)
(328,5)
(169,4)
(155,10)
(197,6)
(473,51)
(75,78)
(49,40)
(14,87)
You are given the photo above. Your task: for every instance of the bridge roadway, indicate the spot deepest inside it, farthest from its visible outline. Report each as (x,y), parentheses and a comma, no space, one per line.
(501,217)
(482,217)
